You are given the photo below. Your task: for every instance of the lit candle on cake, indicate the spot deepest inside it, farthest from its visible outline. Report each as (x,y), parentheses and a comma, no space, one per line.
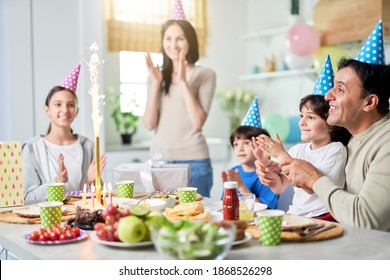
(84,195)
(97,117)
(104,194)
(110,192)
(93,196)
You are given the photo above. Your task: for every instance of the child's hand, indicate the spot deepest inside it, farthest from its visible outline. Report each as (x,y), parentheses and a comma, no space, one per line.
(273,148)
(259,154)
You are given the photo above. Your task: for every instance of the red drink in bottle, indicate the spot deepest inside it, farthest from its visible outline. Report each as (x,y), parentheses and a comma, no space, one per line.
(230,202)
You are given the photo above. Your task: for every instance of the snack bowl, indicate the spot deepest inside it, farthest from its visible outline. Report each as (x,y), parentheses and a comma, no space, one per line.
(152,204)
(170,199)
(189,240)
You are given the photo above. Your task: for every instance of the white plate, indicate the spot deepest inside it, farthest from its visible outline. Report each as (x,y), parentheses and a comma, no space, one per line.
(79,193)
(247,237)
(260,206)
(120,244)
(115,200)
(32,211)
(217,206)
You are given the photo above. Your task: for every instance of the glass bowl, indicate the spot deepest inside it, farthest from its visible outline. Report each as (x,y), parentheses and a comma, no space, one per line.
(194,241)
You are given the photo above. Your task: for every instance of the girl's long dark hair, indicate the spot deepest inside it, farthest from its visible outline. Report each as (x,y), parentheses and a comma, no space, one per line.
(192,55)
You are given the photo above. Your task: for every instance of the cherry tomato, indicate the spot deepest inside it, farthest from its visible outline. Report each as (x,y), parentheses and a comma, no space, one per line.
(54,236)
(34,236)
(76,231)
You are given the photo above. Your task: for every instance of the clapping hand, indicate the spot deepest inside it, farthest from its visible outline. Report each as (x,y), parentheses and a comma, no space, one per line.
(62,176)
(154,71)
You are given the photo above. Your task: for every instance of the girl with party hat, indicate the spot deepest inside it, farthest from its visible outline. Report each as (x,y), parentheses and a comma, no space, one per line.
(324,147)
(59,156)
(179,99)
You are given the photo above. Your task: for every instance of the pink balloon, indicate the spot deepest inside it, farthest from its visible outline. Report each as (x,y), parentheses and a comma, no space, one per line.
(302,39)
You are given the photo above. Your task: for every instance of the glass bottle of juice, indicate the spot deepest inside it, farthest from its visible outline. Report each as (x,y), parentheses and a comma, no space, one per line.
(230,202)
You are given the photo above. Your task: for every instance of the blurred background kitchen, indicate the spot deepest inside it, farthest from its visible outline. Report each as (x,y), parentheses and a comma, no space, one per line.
(246,42)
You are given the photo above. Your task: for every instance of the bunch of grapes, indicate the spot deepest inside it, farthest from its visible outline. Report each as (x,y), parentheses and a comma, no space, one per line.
(111,215)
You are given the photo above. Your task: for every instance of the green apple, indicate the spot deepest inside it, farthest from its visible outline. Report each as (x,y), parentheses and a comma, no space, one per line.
(131,229)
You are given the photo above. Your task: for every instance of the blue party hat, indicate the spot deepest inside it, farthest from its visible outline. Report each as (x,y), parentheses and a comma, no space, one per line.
(373,50)
(325,79)
(252,117)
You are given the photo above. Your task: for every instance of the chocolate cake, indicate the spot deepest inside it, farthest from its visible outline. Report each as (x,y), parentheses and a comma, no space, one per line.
(88,217)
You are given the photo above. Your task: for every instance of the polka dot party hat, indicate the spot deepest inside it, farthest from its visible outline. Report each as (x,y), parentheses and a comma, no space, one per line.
(177,11)
(325,79)
(373,50)
(252,117)
(71,81)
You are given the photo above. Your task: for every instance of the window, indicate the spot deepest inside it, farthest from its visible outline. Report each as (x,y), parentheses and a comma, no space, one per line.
(133,78)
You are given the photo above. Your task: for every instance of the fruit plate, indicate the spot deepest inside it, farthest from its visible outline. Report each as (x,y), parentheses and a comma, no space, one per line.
(78,193)
(83,235)
(120,244)
(247,237)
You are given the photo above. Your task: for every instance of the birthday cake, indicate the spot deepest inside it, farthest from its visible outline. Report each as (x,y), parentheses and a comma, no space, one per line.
(88,216)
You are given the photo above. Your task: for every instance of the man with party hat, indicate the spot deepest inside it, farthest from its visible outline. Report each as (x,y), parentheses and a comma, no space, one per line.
(60,155)
(245,172)
(322,145)
(359,102)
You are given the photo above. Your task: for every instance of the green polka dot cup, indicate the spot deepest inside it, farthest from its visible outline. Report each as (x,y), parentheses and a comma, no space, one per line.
(55,191)
(187,194)
(51,213)
(125,188)
(270,226)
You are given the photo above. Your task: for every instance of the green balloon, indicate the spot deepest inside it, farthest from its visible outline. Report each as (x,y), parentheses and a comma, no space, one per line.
(335,53)
(275,123)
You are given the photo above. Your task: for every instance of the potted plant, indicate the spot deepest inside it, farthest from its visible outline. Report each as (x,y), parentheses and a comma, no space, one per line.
(125,122)
(235,104)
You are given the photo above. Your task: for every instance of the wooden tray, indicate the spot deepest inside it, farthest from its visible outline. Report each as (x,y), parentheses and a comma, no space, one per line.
(12,218)
(292,236)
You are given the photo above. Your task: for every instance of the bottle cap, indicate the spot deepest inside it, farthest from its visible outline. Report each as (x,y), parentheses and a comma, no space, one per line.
(230,185)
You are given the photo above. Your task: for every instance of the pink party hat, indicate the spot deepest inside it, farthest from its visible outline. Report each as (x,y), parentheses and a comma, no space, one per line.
(373,50)
(71,81)
(177,11)
(325,79)
(252,117)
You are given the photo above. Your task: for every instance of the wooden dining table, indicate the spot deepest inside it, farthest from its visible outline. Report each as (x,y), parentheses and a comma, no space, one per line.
(354,244)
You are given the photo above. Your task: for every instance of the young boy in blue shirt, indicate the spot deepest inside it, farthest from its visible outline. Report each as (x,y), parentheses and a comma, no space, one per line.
(245,173)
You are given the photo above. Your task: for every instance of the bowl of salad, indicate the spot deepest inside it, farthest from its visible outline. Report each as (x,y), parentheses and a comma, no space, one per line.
(190,240)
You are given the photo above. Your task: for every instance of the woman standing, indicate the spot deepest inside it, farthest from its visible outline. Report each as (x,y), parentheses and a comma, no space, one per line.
(179,99)
(60,155)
